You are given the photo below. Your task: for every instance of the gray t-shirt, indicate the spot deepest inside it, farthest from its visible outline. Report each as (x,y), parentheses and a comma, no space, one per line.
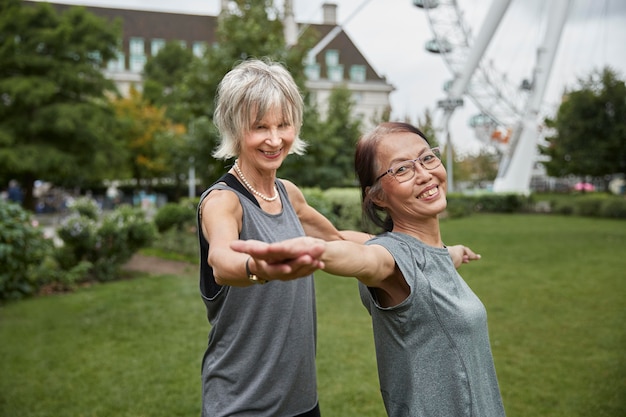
(433,352)
(260,359)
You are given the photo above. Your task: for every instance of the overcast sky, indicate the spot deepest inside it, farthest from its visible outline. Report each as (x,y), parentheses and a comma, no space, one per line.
(391,35)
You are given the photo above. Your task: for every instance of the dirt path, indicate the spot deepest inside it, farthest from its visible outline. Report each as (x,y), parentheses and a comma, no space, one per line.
(155,265)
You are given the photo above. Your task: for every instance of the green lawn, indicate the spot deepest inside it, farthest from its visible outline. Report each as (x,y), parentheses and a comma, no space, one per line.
(554,288)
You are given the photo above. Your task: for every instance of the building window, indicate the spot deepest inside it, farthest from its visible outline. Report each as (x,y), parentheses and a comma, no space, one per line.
(357,73)
(183,44)
(335,73)
(136,46)
(95,57)
(308,59)
(332,57)
(156,46)
(312,72)
(137,58)
(117,63)
(198,49)
(137,63)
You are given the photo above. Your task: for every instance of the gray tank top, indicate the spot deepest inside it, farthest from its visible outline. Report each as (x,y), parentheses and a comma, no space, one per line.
(433,351)
(260,359)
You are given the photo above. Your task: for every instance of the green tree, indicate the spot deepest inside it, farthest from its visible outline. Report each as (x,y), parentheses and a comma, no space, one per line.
(152,140)
(55,118)
(162,75)
(477,169)
(329,160)
(590,129)
(427,126)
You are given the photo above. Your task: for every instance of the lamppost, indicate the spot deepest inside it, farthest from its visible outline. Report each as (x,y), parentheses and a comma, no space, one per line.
(191,177)
(449,105)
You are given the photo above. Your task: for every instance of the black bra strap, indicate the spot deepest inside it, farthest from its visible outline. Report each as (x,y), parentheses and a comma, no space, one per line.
(232,182)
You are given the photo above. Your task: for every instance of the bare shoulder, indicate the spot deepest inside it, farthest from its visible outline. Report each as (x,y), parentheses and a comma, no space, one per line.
(219,202)
(295,194)
(290,187)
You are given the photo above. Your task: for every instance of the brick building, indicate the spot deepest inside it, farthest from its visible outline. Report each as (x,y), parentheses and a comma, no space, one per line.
(334,61)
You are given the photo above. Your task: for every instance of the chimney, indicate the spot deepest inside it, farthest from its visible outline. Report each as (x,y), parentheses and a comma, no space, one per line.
(330,13)
(289,24)
(224,6)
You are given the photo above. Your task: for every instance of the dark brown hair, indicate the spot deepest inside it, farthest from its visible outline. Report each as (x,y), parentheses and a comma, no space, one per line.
(368,169)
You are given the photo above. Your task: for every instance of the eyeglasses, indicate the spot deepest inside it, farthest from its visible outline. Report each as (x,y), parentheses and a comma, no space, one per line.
(405,170)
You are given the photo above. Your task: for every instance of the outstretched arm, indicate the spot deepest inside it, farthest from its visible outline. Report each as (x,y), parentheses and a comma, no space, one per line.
(461,255)
(371,264)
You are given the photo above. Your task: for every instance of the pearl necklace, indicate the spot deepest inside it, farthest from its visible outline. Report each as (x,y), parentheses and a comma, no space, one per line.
(251,188)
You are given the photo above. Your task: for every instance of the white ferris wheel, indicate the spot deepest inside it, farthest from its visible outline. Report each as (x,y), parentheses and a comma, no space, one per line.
(508,114)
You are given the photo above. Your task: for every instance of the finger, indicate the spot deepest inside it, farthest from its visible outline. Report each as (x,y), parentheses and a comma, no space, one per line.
(473,256)
(294,248)
(296,268)
(263,250)
(470,254)
(249,246)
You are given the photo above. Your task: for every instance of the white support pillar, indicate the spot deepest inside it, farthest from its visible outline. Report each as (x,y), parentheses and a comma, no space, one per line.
(487,30)
(461,81)
(517,174)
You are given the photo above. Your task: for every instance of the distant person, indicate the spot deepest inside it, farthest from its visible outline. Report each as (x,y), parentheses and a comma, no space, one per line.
(14,193)
(430,329)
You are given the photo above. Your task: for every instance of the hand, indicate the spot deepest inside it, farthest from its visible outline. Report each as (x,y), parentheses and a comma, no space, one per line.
(293,258)
(462,255)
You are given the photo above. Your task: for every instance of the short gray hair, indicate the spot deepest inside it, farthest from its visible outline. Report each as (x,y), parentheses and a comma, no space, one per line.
(251,89)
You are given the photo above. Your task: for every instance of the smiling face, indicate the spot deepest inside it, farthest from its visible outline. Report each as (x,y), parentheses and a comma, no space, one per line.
(424,195)
(268,141)
(249,93)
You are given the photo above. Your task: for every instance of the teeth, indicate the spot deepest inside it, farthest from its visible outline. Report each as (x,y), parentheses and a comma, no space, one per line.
(428,193)
(271,153)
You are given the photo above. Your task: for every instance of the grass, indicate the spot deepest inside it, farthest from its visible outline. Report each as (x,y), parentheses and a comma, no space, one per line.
(175,246)
(128,348)
(554,289)
(553,286)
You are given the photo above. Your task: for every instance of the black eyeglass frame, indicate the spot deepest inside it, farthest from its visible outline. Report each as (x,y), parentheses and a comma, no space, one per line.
(435,152)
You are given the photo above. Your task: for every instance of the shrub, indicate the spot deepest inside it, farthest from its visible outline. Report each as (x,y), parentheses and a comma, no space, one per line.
(346,207)
(177,245)
(23,248)
(587,204)
(459,206)
(86,207)
(106,245)
(614,208)
(500,203)
(563,207)
(63,280)
(78,233)
(316,198)
(589,207)
(121,233)
(174,215)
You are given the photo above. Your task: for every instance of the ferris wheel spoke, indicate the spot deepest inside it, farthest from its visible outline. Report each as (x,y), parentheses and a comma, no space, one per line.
(489,90)
(508,113)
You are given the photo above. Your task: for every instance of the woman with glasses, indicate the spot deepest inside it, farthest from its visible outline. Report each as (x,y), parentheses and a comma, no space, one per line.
(430,330)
